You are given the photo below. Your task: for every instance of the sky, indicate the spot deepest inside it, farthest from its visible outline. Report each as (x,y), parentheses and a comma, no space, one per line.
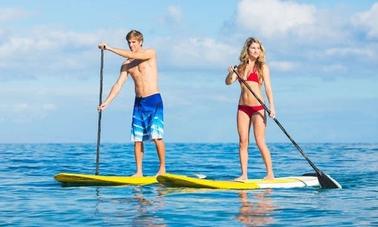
(322,56)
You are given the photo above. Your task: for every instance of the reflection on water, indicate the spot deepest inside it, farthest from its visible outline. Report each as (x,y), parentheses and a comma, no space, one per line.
(255,211)
(146,209)
(253,208)
(137,209)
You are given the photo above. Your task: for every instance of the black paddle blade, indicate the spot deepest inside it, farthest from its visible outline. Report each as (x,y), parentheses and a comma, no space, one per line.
(326,181)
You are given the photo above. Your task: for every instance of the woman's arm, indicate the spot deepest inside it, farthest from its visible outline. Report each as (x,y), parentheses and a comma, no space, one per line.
(268,90)
(231,76)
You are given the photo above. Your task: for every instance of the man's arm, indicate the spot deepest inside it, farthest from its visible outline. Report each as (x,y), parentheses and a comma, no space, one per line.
(145,55)
(116,87)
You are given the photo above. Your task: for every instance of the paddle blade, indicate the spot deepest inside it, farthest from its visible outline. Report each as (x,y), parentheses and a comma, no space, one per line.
(326,181)
(200,176)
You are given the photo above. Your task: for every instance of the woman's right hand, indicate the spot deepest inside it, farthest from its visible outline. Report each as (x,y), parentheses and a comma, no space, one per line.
(231,76)
(230,69)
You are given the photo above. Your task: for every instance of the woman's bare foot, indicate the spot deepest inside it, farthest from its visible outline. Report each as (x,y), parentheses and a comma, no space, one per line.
(161,172)
(269,177)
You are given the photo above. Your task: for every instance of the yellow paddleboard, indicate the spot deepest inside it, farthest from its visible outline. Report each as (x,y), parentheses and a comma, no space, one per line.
(89,179)
(173,180)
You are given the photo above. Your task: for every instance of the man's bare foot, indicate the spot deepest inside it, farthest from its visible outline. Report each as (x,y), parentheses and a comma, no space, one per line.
(138,175)
(241,178)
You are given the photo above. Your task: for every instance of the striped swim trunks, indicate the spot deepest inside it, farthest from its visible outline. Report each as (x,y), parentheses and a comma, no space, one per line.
(148,119)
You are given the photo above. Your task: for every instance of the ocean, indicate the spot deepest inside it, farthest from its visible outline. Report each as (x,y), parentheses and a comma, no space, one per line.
(29,195)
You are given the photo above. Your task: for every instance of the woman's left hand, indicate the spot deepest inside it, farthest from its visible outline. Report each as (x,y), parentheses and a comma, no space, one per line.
(272,113)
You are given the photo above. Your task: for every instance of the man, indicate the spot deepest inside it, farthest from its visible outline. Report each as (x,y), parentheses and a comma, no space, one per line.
(147,121)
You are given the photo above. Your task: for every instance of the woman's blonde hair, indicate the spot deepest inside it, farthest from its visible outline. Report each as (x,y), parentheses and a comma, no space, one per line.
(244,59)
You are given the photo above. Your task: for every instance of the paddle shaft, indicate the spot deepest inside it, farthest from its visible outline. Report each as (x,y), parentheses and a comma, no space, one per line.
(99,114)
(317,170)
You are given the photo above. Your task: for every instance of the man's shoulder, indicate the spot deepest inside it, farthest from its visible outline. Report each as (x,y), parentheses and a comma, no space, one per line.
(151,53)
(149,50)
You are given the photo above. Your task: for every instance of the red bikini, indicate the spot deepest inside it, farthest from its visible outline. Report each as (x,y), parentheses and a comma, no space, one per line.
(253,76)
(250,110)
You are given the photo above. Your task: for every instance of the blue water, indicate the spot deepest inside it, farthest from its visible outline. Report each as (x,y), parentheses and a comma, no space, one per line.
(29,195)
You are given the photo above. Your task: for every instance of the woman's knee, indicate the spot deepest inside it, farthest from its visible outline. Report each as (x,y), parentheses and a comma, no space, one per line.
(243,143)
(260,141)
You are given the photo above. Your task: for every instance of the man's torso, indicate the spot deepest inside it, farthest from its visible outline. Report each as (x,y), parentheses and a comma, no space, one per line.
(144,74)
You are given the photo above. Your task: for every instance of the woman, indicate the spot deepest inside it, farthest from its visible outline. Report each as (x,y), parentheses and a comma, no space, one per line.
(255,72)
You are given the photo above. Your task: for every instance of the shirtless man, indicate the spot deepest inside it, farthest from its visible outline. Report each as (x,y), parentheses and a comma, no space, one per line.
(147,121)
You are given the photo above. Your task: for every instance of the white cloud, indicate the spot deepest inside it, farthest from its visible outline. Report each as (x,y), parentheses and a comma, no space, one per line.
(57,53)
(334,68)
(368,21)
(201,52)
(52,52)
(354,52)
(292,22)
(44,40)
(25,112)
(285,66)
(273,17)
(173,16)
(7,14)
(175,13)
(316,39)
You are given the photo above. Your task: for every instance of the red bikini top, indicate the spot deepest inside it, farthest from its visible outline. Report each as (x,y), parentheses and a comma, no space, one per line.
(253,77)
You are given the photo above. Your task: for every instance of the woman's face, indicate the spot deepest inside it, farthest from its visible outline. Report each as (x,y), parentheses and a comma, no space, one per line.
(254,50)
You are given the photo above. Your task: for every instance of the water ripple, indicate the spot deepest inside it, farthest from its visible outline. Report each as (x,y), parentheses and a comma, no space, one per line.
(30,196)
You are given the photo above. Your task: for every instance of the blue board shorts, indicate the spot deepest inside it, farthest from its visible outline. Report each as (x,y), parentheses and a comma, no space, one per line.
(148,119)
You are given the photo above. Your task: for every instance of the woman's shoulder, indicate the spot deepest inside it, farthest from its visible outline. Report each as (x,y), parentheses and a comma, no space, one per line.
(265,66)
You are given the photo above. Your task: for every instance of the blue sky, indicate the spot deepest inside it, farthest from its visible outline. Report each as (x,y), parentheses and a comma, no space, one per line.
(323,57)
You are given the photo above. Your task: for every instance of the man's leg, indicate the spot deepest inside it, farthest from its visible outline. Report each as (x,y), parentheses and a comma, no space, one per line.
(138,152)
(160,148)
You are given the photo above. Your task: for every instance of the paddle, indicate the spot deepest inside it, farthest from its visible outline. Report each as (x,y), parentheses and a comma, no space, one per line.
(99,114)
(325,180)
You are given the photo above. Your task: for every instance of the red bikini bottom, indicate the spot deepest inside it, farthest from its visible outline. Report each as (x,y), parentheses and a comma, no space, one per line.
(250,110)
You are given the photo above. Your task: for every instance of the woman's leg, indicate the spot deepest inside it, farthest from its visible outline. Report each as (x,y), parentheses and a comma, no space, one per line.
(259,125)
(243,123)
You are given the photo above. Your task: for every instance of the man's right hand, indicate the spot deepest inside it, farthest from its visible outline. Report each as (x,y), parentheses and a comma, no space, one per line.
(103,46)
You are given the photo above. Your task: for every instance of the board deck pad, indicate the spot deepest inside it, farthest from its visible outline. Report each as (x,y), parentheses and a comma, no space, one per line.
(173,180)
(90,179)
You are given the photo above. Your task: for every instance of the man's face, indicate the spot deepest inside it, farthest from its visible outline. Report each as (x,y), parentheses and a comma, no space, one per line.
(134,44)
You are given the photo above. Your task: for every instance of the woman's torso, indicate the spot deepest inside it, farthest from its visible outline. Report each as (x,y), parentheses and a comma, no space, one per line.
(246,96)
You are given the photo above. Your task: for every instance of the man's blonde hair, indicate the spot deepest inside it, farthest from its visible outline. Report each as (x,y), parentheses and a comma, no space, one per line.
(134,34)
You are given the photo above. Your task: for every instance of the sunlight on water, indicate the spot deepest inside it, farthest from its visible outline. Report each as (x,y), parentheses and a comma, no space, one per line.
(30,196)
